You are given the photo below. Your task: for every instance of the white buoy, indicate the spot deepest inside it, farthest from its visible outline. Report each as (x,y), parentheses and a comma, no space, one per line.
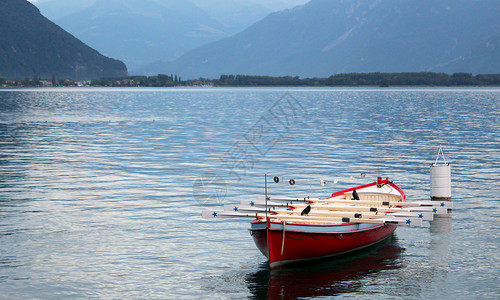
(441,179)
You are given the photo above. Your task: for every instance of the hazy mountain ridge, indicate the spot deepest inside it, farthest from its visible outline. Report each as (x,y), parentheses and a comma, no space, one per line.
(31,45)
(56,9)
(237,15)
(142,32)
(325,37)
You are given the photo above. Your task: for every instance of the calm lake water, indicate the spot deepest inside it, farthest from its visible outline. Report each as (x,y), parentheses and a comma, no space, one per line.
(101,190)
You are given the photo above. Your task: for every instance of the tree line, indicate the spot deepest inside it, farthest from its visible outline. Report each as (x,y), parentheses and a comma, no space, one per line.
(366,79)
(339,80)
(36,81)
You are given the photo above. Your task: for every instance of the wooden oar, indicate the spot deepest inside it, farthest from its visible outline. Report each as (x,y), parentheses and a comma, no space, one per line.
(433,209)
(210,214)
(263,203)
(315,219)
(426,216)
(238,208)
(445,204)
(390,203)
(436,210)
(355,207)
(312,219)
(370,215)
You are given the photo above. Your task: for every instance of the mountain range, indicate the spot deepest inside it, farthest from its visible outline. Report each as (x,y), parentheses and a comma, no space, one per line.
(317,39)
(32,45)
(325,37)
(141,32)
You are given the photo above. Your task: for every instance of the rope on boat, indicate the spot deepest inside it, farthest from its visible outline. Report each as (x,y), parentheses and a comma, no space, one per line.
(360,235)
(316,238)
(295,238)
(339,236)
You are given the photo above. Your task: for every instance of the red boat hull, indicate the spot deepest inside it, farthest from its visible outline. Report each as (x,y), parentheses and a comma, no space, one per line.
(301,245)
(285,243)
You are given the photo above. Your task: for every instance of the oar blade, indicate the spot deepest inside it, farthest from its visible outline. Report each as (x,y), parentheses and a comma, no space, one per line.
(243,209)
(404,221)
(434,209)
(262,203)
(210,214)
(425,216)
(444,204)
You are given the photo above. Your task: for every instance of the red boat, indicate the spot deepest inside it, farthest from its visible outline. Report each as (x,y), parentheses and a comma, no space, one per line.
(288,230)
(299,239)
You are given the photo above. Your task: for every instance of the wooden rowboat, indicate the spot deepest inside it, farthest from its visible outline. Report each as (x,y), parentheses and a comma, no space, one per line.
(288,230)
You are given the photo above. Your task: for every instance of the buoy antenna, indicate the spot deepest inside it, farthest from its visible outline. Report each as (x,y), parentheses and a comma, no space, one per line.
(440,151)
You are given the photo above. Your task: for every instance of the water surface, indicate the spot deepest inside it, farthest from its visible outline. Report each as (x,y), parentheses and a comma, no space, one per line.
(101,190)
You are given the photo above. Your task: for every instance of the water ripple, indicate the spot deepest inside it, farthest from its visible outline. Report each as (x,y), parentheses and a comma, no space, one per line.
(96,190)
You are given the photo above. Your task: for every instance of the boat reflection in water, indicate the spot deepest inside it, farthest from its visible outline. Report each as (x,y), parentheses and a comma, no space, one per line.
(324,277)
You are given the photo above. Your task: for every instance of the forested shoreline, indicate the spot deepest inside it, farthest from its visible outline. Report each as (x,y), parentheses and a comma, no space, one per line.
(338,80)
